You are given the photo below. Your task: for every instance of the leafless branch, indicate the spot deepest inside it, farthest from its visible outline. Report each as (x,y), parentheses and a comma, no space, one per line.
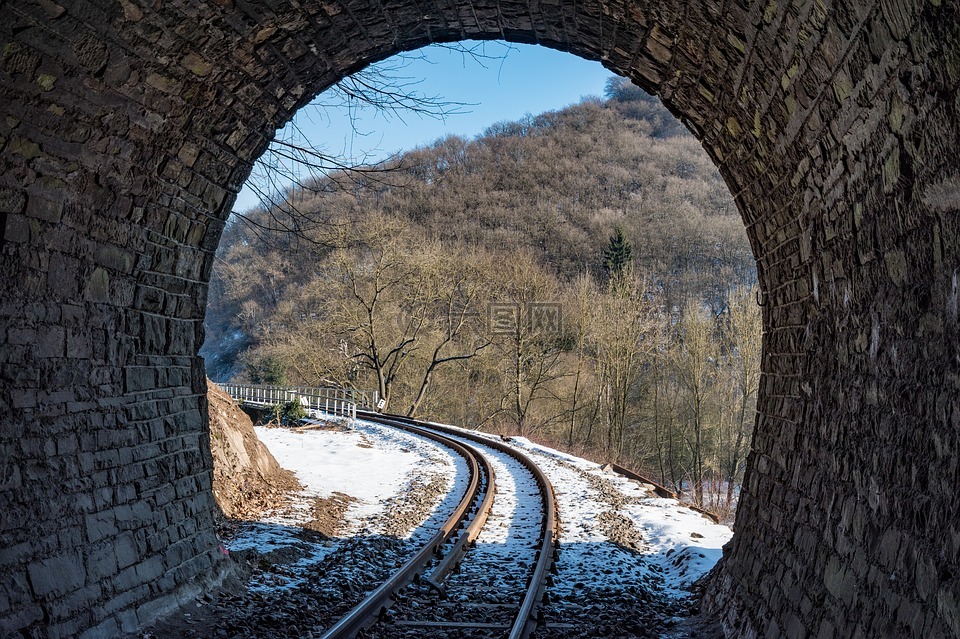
(294,166)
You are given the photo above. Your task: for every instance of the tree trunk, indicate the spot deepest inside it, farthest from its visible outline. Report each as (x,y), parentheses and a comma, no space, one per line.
(424,385)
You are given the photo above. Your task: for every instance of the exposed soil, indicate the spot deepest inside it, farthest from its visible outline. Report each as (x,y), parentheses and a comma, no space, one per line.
(328,514)
(247,480)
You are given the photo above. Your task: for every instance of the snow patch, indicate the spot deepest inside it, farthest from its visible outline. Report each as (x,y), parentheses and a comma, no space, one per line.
(674,547)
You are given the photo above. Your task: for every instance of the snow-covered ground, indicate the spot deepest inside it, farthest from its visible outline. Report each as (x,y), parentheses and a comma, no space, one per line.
(615,535)
(372,464)
(677,544)
(369,462)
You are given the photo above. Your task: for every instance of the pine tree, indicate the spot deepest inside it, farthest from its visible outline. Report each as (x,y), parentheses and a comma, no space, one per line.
(618,253)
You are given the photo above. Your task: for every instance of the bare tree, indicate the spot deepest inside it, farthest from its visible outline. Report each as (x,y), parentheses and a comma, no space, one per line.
(580,311)
(743,335)
(695,363)
(624,326)
(293,166)
(526,339)
(664,412)
(407,306)
(454,333)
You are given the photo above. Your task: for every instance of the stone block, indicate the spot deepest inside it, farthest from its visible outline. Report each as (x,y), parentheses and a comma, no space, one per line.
(125,548)
(98,286)
(75,606)
(840,581)
(56,575)
(51,341)
(150,299)
(108,628)
(101,561)
(63,276)
(79,344)
(26,398)
(70,536)
(129,623)
(795,627)
(826,630)
(154,334)
(156,607)
(21,618)
(127,580)
(102,524)
(126,596)
(948,605)
(151,569)
(21,336)
(138,378)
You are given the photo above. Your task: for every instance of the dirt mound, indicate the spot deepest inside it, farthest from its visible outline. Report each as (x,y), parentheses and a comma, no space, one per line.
(247,480)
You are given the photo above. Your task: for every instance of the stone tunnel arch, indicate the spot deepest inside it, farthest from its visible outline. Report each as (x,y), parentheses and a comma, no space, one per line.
(129,126)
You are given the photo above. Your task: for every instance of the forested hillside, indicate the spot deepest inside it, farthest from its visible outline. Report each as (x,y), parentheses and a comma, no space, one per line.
(581,276)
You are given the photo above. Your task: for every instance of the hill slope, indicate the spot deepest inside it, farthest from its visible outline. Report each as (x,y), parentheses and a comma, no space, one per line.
(554,185)
(581,276)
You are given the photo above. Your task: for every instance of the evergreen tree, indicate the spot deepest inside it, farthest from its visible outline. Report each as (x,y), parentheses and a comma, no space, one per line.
(618,253)
(623,90)
(267,370)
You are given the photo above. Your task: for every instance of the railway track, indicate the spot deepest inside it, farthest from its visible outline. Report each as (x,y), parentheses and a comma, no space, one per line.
(484,572)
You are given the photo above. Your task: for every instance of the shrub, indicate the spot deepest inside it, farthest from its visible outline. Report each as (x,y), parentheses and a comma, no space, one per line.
(293,411)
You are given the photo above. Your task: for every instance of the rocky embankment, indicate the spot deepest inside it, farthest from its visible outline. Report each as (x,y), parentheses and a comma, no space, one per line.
(247,480)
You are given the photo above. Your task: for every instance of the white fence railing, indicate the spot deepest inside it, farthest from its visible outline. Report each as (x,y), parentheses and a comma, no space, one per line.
(332,401)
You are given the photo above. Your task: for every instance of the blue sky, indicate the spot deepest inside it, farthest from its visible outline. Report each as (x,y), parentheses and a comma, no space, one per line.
(514,80)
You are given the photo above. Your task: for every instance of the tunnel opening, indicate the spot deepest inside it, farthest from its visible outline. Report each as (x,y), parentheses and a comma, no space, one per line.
(458,208)
(128,129)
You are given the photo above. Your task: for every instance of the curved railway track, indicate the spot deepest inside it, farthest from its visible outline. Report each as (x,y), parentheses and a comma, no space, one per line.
(505,590)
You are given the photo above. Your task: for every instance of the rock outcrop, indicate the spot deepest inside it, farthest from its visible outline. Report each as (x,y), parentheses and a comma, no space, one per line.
(247,480)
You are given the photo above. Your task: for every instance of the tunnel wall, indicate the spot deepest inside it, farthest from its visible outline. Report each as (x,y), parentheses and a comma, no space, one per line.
(127,127)
(107,511)
(855,451)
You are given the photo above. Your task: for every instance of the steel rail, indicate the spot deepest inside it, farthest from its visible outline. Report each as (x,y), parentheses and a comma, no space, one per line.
(526,621)
(470,533)
(374,604)
(660,491)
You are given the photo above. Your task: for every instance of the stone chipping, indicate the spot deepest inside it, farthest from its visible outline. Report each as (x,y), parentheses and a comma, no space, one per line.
(407,511)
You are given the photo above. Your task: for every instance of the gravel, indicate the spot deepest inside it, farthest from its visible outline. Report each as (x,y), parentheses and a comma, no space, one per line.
(408,510)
